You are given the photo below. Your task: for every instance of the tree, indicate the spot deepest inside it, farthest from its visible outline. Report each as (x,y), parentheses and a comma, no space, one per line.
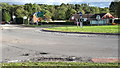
(115,8)
(48,14)
(55,12)
(7,16)
(77,6)
(20,12)
(112,7)
(6,9)
(60,13)
(104,10)
(85,8)
(81,10)
(97,10)
(92,10)
(69,12)
(118,9)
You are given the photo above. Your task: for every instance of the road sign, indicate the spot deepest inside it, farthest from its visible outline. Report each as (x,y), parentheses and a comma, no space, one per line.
(80,13)
(40,14)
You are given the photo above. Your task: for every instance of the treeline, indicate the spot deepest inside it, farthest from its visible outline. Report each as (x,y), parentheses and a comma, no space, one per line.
(55,12)
(115,8)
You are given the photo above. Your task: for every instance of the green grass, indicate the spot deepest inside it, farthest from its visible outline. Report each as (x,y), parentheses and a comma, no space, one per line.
(93,29)
(59,64)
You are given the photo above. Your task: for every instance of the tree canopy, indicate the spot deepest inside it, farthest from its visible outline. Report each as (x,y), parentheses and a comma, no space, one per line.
(115,8)
(55,12)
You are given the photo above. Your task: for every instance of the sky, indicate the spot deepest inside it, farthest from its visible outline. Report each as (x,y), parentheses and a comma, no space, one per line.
(60,1)
(98,3)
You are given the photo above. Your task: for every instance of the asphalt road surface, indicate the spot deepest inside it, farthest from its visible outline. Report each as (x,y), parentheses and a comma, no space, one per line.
(21,43)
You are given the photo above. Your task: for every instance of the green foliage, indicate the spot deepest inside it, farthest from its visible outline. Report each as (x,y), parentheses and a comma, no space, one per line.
(20,12)
(115,8)
(48,14)
(118,9)
(61,13)
(56,12)
(6,17)
(69,12)
(81,10)
(104,10)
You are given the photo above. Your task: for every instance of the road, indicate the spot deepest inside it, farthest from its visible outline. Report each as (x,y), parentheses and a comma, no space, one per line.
(21,43)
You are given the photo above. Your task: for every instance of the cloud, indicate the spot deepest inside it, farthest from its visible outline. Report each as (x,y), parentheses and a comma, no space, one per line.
(97,0)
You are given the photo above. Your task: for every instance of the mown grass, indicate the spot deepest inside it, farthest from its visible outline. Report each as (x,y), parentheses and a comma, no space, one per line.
(93,29)
(59,64)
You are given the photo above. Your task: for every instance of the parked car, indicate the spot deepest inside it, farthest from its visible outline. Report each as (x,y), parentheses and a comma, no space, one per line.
(3,22)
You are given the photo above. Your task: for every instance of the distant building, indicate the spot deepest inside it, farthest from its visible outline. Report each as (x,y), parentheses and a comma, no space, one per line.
(105,18)
(85,17)
(102,16)
(38,17)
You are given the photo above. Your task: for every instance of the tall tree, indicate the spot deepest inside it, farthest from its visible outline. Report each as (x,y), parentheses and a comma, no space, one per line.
(69,12)
(118,9)
(20,12)
(115,8)
(7,16)
(61,12)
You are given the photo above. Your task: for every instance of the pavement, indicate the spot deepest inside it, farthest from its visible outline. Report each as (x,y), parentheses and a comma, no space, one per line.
(23,43)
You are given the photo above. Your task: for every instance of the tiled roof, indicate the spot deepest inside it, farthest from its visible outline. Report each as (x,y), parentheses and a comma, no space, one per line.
(101,15)
(84,16)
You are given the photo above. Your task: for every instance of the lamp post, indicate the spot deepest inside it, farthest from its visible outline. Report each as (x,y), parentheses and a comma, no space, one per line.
(25,17)
(13,18)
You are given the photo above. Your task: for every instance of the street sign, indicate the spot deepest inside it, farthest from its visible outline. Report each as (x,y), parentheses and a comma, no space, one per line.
(40,14)
(81,20)
(80,13)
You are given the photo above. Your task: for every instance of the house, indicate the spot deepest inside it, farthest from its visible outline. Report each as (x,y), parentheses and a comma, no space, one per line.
(103,18)
(38,17)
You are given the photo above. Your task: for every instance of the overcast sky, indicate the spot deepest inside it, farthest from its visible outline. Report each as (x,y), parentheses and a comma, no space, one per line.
(60,1)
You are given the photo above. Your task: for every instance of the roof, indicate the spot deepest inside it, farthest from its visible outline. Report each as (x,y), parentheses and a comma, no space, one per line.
(101,15)
(77,16)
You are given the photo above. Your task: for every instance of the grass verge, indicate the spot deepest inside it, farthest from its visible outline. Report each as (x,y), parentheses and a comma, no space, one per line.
(59,64)
(92,29)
